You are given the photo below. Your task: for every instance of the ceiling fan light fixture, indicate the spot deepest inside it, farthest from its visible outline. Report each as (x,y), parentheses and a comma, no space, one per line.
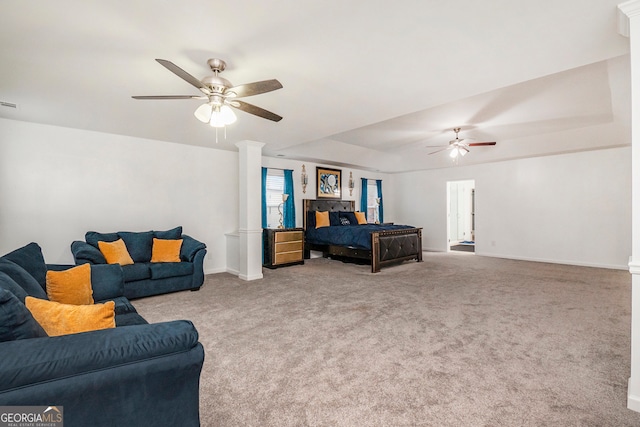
(227,115)
(454,153)
(203,112)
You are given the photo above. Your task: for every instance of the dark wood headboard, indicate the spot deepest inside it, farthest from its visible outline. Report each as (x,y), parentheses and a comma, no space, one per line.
(311,205)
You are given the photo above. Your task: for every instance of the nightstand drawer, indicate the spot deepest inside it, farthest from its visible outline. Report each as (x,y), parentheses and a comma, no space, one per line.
(288,246)
(285,257)
(282,247)
(288,236)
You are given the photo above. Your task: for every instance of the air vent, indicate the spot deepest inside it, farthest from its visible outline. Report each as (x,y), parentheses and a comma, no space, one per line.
(8,104)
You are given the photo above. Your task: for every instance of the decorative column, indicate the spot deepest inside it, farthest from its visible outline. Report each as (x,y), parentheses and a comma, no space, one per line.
(250,221)
(629,26)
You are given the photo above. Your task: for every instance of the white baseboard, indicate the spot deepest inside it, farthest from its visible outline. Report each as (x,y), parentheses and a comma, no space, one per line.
(249,278)
(555,261)
(217,270)
(633,402)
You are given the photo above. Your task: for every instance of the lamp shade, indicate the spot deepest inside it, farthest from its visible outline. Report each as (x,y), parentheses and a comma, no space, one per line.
(203,113)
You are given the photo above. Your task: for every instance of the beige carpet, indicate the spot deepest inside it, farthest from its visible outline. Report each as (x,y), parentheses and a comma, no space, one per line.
(457,340)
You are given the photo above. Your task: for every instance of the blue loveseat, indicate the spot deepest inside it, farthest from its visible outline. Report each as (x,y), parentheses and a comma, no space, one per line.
(145,278)
(136,374)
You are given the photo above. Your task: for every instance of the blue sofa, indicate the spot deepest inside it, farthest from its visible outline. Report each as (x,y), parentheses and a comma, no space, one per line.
(136,374)
(145,278)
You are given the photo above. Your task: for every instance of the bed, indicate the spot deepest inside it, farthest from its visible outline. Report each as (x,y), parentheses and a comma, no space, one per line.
(380,244)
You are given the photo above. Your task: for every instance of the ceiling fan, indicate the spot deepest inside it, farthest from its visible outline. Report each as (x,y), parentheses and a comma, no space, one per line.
(220,94)
(460,148)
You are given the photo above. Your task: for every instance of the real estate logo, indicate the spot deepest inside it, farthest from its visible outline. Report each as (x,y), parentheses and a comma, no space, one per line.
(31,416)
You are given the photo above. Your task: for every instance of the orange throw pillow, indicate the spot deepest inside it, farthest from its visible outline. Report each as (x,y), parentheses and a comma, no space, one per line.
(72,286)
(322,219)
(361,217)
(115,252)
(62,319)
(165,250)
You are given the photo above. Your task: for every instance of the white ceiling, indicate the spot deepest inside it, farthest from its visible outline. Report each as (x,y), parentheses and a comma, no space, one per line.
(367,84)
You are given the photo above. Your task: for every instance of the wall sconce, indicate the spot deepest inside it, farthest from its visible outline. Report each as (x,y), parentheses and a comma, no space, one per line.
(351,184)
(304,179)
(284,199)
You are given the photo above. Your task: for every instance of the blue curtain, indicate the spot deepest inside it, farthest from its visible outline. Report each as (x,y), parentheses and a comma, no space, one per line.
(380,210)
(363,196)
(289,208)
(264,197)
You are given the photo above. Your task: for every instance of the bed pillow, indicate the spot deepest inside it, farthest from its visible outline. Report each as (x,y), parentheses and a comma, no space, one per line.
(311,219)
(350,216)
(61,319)
(361,217)
(322,219)
(334,218)
(71,286)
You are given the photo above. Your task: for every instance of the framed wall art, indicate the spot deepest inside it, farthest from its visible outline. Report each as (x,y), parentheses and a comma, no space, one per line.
(329,183)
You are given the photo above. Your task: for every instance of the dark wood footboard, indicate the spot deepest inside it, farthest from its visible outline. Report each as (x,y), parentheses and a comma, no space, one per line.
(387,247)
(392,246)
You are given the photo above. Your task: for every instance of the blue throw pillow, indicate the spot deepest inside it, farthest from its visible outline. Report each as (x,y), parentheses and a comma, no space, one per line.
(138,244)
(334,218)
(93,237)
(30,258)
(311,220)
(16,321)
(173,234)
(350,216)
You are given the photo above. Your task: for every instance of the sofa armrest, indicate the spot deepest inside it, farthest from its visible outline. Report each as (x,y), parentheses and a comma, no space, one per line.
(34,361)
(85,253)
(107,280)
(190,247)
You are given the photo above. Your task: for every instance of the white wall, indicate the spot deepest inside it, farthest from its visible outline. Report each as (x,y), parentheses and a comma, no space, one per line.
(570,208)
(296,166)
(57,183)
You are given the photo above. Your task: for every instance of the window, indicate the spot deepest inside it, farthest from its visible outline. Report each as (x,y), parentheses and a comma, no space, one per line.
(275,188)
(372,202)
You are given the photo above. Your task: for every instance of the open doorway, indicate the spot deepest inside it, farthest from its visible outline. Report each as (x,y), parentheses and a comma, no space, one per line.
(461,215)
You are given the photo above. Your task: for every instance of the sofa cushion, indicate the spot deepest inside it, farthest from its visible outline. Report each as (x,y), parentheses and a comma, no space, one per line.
(93,237)
(115,252)
(138,244)
(83,252)
(30,258)
(174,233)
(139,271)
(22,278)
(10,285)
(63,319)
(39,361)
(166,250)
(16,322)
(71,286)
(163,270)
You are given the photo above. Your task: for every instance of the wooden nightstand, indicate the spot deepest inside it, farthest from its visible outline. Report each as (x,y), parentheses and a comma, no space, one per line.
(283,246)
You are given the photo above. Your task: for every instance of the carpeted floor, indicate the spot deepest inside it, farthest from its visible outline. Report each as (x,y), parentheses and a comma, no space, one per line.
(457,340)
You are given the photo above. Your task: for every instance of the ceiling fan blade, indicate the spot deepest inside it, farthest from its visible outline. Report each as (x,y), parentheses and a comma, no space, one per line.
(479,144)
(439,151)
(183,74)
(255,88)
(256,111)
(170,97)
